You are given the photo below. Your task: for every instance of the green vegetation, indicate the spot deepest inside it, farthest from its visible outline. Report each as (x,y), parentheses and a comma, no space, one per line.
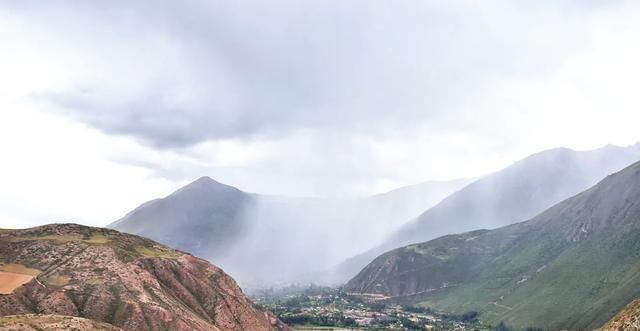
(572,267)
(507,290)
(502,327)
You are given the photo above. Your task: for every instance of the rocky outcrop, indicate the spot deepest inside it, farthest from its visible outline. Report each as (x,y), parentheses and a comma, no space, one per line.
(124,280)
(627,320)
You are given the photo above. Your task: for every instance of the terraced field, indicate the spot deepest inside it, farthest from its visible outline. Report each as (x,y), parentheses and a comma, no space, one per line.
(13,276)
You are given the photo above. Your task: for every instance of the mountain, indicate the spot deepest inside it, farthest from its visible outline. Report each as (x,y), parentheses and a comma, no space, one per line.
(124,280)
(627,320)
(510,195)
(571,267)
(518,192)
(204,216)
(262,239)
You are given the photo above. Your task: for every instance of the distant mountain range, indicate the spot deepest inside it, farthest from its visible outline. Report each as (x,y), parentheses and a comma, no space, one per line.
(262,240)
(265,239)
(127,281)
(573,266)
(510,195)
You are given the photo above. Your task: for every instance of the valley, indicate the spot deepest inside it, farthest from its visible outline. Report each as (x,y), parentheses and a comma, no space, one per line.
(573,266)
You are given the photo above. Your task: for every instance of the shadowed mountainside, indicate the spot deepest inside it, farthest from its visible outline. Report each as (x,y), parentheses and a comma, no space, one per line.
(202,217)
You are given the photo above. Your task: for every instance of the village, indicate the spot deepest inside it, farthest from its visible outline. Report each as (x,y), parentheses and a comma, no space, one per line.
(319,308)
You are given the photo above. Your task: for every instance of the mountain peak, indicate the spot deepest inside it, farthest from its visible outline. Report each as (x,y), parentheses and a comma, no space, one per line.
(205,179)
(203,217)
(205,184)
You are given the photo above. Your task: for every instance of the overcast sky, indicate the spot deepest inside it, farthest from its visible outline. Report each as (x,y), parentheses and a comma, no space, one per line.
(106,104)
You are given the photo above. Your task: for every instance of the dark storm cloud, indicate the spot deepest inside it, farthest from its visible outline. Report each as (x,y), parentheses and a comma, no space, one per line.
(232,69)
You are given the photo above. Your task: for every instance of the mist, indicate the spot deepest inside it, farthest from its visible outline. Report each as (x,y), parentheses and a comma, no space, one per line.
(264,240)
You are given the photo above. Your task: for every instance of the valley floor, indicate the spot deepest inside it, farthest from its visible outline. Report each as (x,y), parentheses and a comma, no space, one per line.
(318,308)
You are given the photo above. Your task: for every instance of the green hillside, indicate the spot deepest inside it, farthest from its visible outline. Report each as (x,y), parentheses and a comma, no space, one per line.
(573,266)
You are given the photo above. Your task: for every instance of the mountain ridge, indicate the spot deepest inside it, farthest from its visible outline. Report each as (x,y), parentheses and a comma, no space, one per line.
(572,266)
(513,194)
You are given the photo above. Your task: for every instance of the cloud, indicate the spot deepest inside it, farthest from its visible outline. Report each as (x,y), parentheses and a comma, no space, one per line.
(304,97)
(175,75)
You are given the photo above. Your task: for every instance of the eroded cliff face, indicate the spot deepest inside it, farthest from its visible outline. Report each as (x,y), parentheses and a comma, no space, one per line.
(124,280)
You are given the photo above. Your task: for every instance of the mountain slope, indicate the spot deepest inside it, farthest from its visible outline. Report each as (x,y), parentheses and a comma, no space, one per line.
(518,192)
(407,202)
(128,281)
(264,239)
(573,266)
(513,194)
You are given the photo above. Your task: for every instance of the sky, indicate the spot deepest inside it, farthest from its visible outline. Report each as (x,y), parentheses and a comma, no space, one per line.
(104,105)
